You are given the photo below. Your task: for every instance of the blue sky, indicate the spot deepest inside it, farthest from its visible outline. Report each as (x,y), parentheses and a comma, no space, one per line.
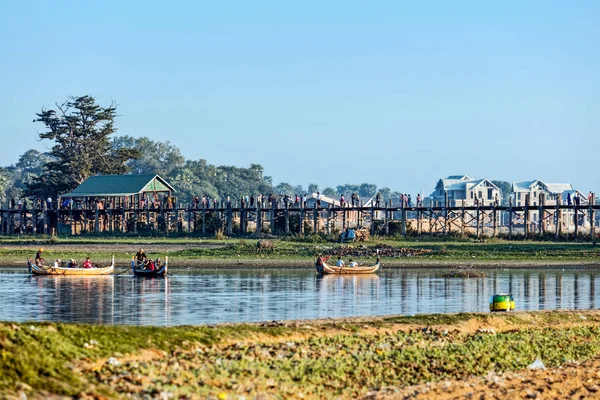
(393,93)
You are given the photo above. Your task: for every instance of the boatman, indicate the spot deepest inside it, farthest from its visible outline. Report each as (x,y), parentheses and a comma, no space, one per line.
(141,257)
(321,260)
(39,260)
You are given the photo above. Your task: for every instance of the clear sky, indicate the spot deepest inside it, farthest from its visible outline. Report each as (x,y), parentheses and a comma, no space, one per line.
(394,93)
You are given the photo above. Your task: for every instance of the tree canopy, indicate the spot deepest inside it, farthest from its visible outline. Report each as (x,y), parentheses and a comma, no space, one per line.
(80,130)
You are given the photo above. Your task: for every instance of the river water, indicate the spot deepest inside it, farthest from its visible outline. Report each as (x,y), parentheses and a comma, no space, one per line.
(214,296)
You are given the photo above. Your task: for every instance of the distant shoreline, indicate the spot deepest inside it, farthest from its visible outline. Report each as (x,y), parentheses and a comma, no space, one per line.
(185,253)
(176,263)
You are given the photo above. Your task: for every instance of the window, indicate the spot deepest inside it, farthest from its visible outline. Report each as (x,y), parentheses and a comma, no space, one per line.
(490,194)
(471,194)
(519,196)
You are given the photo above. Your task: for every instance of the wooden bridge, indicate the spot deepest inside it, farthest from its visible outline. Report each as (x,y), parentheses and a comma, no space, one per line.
(530,222)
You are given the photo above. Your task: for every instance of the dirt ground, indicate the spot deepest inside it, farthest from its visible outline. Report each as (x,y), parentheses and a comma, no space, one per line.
(117,248)
(570,381)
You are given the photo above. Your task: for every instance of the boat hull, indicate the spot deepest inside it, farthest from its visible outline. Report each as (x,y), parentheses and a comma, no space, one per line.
(149,274)
(37,270)
(326,269)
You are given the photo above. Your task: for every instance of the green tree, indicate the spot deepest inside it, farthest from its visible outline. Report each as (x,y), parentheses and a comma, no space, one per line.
(367,190)
(160,158)
(386,194)
(329,191)
(284,188)
(4,184)
(347,189)
(80,130)
(313,188)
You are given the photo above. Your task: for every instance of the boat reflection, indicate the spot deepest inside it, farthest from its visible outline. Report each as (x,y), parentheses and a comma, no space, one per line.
(213,296)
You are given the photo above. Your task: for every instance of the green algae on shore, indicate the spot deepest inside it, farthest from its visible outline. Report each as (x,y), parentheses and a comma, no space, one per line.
(344,358)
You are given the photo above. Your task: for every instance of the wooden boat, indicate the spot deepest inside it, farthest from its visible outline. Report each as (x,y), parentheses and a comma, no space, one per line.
(56,270)
(330,269)
(138,271)
(502,302)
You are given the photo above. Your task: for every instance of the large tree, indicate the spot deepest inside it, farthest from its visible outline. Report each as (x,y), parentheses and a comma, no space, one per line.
(160,158)
(367,190)
(80,130)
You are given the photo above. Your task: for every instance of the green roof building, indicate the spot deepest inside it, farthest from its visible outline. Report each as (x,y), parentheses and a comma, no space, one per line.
(121,186)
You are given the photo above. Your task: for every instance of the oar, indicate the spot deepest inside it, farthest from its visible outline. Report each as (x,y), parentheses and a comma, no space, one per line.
(122,272)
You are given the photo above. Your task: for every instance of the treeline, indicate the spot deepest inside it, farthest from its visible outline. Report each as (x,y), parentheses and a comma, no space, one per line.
(84,144)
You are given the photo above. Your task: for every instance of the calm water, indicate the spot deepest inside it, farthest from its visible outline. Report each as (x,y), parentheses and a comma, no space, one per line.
(213,296)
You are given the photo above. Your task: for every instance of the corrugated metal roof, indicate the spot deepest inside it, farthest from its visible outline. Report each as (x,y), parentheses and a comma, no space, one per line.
(118,185)
(559,187)
(324,199)
(522,186)
(553,188)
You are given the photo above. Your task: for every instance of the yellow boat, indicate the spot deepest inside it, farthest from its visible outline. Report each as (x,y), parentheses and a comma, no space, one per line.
(56,270)
(330,269)
(502,302)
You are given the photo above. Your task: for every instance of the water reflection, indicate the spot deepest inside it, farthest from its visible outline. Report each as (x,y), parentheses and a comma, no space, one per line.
(260,295)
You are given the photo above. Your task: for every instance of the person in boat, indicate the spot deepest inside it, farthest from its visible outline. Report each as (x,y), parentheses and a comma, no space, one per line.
(352,264)
(39,260)
(87,263)
(340,262)
(321,260)
(72,263)
(150,266)
(141,257)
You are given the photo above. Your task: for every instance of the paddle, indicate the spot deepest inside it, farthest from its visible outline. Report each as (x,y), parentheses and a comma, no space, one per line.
(122,272)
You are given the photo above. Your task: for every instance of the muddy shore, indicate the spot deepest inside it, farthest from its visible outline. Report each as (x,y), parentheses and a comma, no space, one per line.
(210,255)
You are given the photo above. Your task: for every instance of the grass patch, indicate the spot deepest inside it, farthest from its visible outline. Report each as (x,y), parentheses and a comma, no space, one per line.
(319,360)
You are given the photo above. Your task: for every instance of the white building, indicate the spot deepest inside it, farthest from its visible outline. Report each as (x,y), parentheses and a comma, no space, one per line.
(463,190)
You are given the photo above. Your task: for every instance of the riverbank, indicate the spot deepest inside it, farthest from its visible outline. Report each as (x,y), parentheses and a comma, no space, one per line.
(242,253)
(371,358)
